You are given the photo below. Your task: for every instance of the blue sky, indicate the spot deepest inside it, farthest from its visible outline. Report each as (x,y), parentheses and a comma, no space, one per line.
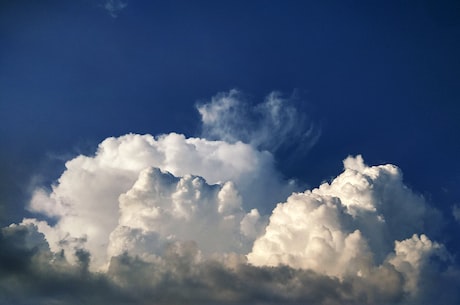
(378,78)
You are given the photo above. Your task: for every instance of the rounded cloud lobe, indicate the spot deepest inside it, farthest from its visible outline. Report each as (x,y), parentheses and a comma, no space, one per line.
(171,219)
(86,198)
(366,219)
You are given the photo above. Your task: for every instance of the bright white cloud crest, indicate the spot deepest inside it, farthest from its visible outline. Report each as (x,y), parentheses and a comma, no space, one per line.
(365,217)
(185,213)
(86,197)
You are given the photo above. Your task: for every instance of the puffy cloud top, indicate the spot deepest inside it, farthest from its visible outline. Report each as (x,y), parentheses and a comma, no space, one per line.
(85,199)
(169,235)
(364,218)
(171,219)
(161,209)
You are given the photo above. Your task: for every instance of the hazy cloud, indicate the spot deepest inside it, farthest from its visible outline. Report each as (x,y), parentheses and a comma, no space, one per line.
(456,212)
(114,7)
(273,124)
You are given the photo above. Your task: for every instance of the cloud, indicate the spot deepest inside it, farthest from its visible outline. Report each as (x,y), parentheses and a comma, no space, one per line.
(365,219)
(456,212)
(114,7)
(173,220)
(85,199)
(161,209)
(31,273)
(272,125)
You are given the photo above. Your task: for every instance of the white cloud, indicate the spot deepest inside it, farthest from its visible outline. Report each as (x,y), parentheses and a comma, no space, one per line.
(85,199)
(161,209)
(171,219)
(140,202)
(349,227)
(411,255)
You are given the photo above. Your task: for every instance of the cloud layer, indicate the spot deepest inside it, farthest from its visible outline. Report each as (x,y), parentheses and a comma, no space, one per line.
(173,220)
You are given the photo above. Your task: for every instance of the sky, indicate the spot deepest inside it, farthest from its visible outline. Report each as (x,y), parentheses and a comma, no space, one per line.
(229,152)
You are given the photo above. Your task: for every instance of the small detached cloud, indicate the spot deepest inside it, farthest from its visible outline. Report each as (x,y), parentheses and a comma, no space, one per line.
(271,125)
(456,212)
(114,7)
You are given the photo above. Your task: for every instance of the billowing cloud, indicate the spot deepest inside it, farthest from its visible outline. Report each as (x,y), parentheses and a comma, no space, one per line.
(173,220)
(272,125)
(161,209)
(85,199)
(364,219)
(180,239)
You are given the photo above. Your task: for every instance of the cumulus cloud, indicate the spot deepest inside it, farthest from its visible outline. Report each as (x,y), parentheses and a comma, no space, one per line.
(161,209)
(272,125)
(173,220)
(181,239)
(366,218)
(85,199)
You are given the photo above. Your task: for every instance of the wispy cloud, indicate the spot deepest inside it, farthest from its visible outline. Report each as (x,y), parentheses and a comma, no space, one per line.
(273,124)
(456,212)
(114,7)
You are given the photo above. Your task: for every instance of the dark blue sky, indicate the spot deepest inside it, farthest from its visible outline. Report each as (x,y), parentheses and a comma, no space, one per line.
(381,79)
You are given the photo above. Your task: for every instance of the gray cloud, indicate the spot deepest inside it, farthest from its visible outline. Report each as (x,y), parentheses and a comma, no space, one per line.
(30,273)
